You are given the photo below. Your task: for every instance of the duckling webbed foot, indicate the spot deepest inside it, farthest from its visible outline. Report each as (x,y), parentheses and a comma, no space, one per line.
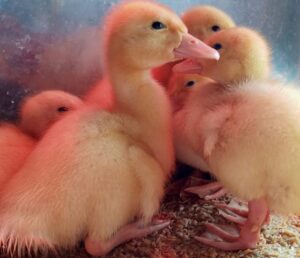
(249,232)
(208,191)
(236,211)
(127,233)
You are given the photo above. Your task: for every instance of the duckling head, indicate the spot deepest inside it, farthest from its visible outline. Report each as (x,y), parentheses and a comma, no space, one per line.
(244,55)
(203,21)
(143,35)
(180,85)
(39,112)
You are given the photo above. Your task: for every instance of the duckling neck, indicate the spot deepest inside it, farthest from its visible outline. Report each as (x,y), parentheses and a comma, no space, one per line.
(138,95)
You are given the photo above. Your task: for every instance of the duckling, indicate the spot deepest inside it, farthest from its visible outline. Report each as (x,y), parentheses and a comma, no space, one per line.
(245,55)
(235,127)
(37,114)
(40,111)
(202,22)
(101,96)
(95,171)
(179,87)
(248,135)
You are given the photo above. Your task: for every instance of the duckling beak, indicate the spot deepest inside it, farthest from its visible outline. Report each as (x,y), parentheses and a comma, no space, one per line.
(188,66)
(191,47)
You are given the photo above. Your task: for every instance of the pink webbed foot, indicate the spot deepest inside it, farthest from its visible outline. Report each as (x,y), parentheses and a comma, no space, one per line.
(249,231)
(208,191)
(127,233)
(235,211)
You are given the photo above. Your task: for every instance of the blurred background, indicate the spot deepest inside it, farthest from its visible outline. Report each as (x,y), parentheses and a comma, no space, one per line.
(29,28)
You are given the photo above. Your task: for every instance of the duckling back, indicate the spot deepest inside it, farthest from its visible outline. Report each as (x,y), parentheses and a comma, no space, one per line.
(257,153)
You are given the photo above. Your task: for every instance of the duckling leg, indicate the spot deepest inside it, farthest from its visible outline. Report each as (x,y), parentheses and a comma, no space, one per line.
(209,191)
(249,233)
(128,232)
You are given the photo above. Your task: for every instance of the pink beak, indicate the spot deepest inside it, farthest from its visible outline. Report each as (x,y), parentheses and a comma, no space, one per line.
(191,47)
(188,66)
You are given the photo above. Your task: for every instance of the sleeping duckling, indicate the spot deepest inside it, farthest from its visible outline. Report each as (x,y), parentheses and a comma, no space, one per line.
(202,22)
(246,132)
(37,114)
(41,111)
(95,171)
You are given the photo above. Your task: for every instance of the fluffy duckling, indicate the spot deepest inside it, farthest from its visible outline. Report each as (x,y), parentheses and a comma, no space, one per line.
(202,22)
(248,136)
(235,128)
(179,87)
(102,96)
(39,112)
(96,171)
(245,55)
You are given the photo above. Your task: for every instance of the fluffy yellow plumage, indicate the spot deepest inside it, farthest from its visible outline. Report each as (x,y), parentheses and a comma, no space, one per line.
(95,171)
(245,129)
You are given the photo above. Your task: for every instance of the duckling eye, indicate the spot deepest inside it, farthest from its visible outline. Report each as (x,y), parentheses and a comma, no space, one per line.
(217,46)
(215,28)
(62,109)
(190,83)
(157,25)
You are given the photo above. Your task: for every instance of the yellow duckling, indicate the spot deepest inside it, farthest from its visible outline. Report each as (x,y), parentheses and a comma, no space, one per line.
(246,131)
(41,111)
(37,114)
(95,171)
